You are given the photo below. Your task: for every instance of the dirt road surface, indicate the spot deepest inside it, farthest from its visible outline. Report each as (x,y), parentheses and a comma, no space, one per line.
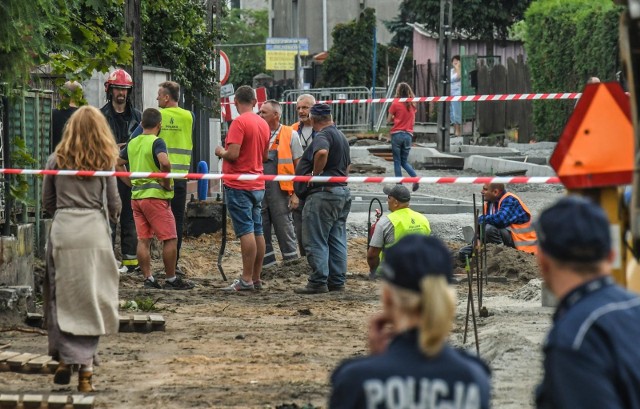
(273,348)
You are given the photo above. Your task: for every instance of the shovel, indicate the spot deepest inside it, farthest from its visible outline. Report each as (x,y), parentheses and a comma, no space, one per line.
(468,233)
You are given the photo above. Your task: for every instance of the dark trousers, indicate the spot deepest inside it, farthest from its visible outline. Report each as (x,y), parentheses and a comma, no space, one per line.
(498,236)
(297,225)
(178,204)
(128,235)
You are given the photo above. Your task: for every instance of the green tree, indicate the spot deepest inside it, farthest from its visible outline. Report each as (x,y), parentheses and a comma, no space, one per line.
(175,37)
(73,36)
(486,19)
(244,26)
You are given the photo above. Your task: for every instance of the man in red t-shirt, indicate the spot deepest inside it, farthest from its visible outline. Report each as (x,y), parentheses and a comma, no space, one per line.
(246,148)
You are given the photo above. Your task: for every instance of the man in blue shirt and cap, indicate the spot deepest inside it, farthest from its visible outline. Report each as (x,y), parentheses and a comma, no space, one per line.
(592,359)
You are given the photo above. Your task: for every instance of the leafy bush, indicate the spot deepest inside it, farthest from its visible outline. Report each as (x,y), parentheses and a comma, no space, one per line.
(567,42)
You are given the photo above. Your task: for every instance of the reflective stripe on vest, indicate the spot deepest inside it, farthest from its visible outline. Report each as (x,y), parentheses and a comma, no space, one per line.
(406,221)
(140,151)
(285,157)
(523,235)
(177,126)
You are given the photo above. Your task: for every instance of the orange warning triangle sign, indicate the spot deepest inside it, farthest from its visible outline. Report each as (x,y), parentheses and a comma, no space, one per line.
(596,147)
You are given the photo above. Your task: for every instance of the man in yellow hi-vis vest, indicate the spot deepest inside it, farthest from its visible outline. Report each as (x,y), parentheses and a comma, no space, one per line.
(285,151)
(400,222)
(177,132)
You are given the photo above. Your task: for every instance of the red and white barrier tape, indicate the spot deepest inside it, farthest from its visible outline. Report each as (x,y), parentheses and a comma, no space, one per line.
(285,178)
(462,98)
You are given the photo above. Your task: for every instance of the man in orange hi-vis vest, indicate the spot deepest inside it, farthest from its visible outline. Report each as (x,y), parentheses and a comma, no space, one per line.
(284,152)
(506,219)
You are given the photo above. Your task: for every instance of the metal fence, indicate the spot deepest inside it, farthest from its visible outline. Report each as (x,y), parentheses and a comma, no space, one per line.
(3,111)
(26,116)
(348,117)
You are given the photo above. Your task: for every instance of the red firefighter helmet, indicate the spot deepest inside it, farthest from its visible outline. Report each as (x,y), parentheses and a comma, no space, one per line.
(118,79)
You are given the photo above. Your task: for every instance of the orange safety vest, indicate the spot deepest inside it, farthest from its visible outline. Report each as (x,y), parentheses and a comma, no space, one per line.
(282,144)
(524,235)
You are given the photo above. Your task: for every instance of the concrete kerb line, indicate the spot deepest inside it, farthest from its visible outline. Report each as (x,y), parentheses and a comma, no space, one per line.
(294,178)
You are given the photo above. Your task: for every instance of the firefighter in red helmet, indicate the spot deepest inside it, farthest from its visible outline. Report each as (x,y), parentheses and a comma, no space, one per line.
(123,120)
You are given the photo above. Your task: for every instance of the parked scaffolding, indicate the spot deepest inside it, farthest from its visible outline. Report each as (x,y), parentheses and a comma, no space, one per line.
(348,117)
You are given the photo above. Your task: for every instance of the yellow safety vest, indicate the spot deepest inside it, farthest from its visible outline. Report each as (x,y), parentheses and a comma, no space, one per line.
(140,152)
(406,221)
(177,127)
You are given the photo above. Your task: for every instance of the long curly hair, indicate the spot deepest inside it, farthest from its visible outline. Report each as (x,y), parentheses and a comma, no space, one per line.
(87,142)
(403,90)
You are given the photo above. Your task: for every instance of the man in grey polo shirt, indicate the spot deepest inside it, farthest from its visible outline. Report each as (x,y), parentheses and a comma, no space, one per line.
(400,222)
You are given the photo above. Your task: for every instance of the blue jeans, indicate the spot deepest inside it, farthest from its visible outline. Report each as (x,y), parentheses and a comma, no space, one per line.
(245,210)
(400,146)
(324,235)
(455,114)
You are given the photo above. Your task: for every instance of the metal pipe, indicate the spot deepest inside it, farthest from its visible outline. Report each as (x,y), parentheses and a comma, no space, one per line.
(374,65)
(37,181)
(23,134)
(325,39)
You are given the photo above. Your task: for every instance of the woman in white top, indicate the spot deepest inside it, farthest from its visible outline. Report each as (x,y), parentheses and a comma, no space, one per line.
(456,90)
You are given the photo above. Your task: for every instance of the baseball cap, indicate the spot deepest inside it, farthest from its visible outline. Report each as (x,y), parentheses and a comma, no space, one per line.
(320,109)
(574,229)
(414,257)
(398,192)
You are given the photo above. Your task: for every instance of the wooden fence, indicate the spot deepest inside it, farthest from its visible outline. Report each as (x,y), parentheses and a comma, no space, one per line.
(491,117)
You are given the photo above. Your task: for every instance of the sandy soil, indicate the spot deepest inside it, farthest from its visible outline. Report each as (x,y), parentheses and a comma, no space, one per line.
(275,347)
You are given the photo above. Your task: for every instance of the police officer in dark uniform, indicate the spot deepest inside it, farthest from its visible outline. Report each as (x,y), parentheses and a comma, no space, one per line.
(592,357)
(411,364)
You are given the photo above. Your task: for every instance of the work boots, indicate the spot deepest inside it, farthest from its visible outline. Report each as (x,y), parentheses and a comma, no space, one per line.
(84,381)
(63,374)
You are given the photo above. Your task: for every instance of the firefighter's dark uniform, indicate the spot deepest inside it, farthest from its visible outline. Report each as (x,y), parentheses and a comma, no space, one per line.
(122,125)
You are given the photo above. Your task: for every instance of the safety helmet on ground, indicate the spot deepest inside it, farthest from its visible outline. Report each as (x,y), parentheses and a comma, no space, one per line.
(118,79)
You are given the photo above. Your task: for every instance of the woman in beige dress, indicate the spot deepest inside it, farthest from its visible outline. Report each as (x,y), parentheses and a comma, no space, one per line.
(81,287)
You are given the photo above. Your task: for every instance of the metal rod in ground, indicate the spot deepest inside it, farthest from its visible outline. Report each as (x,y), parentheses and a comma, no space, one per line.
(485,272)
(473,311)
(474,250)
(223,241)
(478,270)
(480,265)
(466,320)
